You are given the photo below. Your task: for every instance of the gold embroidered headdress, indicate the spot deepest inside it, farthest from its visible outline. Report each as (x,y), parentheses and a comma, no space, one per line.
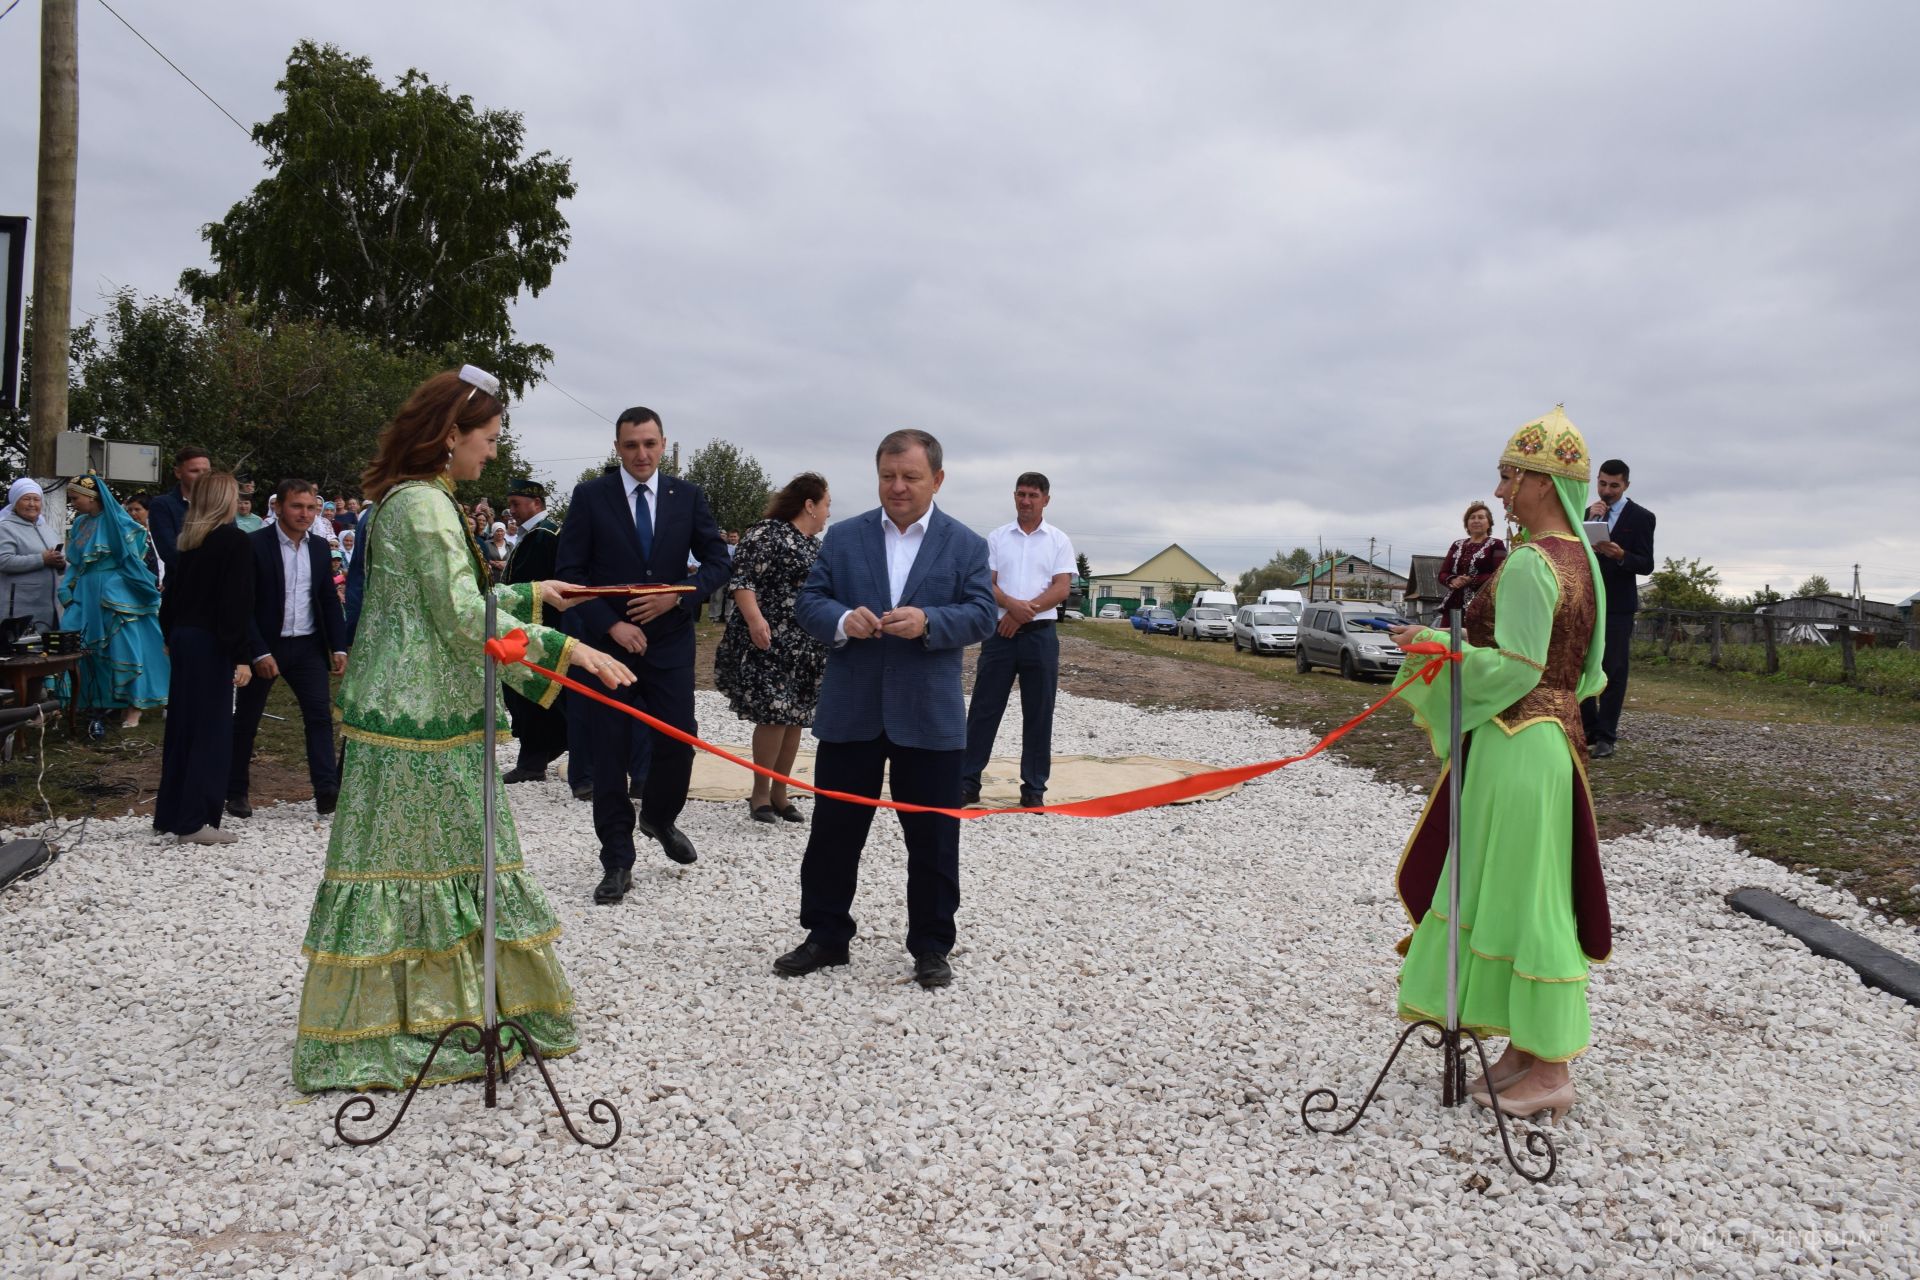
(1550,444)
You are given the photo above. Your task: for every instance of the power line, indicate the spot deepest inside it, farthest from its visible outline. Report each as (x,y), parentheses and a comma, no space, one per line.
(10,8)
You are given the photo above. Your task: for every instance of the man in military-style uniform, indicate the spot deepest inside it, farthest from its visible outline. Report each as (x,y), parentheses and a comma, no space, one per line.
(542,731)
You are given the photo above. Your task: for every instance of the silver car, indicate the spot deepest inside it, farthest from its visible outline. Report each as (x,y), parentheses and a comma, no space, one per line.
(1266,628)
(1203,622)
(1332,635)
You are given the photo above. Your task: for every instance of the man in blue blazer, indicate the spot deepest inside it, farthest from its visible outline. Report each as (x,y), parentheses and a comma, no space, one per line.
(297,631)
(898,592)
(635,525)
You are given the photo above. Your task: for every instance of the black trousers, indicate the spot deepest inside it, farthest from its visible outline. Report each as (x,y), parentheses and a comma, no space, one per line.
(581,727)
(306,665)
(666,695)
(542,731)
(198,735)
(830,871)
(1600,716)
(1033,656)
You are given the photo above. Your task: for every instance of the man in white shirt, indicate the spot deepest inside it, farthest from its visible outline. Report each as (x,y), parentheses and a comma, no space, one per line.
(1032,564)
(298,631)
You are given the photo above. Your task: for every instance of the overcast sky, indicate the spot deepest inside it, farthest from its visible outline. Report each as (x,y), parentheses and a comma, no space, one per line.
(1237,276)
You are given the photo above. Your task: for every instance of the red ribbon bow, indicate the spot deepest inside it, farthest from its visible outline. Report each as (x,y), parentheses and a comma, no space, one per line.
(1440,654)
(511,647)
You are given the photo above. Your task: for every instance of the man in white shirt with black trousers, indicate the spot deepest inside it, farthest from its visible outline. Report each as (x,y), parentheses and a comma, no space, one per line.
(1032,564)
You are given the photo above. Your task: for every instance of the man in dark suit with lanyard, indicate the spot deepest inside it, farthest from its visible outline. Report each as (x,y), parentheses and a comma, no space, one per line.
(297,631)
(542,731)
(635,525)
(1625,557)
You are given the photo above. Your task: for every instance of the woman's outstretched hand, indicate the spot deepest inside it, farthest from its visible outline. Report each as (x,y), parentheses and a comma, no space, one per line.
(1408,636)
(608,671)
(555,597)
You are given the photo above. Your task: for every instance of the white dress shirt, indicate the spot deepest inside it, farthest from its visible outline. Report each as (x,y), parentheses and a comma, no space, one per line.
(1026,563)
(902,549)
(296,611)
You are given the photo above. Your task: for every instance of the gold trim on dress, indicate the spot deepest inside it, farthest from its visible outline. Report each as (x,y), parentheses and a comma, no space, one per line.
(1523,658)
(433,1027)
(1483,1031)
(513,1060)
(340,960)
(413,744)
(553,686)
(374,877)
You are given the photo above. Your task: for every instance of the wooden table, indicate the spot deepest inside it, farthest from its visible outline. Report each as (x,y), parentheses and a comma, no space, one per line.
(27,674)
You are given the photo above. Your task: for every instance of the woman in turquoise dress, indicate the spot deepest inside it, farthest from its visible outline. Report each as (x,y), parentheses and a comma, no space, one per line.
(110,596)
(393,943)
(1533,903)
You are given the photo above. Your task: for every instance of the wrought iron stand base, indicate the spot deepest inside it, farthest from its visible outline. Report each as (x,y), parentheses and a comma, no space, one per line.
(493,1044)
(1453,1092)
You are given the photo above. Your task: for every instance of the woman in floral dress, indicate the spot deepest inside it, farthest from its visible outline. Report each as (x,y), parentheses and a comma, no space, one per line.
(766,665)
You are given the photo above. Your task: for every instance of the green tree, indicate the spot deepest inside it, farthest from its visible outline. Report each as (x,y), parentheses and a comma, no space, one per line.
(403,213)
(299,398)
(1281,571)
(735,484)
(1688,584)
(1817,585)
(1083,566)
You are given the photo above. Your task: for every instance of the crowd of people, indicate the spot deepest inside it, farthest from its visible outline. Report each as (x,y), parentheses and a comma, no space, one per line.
(854,632)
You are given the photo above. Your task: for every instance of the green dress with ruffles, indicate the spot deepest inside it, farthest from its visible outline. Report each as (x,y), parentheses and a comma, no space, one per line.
(393,944)
(1532,902)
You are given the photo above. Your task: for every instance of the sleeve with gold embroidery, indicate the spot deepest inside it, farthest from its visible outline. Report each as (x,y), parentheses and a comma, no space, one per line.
(451,592)
(1493,679)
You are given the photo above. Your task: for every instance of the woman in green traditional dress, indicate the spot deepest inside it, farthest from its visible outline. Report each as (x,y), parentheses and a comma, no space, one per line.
(393,943)
(1533,904)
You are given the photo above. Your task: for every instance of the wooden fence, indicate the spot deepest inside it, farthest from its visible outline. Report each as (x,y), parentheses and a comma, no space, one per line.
(1720,632)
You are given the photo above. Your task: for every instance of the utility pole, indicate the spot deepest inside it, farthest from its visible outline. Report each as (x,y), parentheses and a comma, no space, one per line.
(53,227)
(1373,573)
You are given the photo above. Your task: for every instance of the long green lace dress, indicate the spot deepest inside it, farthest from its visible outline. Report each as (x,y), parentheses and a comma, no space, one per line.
(393,943)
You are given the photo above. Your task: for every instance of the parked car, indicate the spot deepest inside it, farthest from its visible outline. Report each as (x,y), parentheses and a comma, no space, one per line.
(1332,635)
(1224,601)
(1280,595)
(1112,611)
(1072,615)
(1266,628)
(1201,623)
(1155,618)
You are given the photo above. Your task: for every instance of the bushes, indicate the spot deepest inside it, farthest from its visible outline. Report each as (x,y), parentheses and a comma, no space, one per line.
(1893,673)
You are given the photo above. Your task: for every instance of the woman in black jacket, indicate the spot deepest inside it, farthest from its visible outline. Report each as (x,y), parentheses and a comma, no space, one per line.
(203,615)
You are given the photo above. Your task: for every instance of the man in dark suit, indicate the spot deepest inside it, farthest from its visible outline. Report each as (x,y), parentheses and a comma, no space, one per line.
(542,731)
(167,514)
(637,526)
(298,631)
(1625,557)
(899,592)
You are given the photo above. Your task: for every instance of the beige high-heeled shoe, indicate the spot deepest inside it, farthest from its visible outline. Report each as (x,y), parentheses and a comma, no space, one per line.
(1523,1101)
(1503,1074)
(207,835)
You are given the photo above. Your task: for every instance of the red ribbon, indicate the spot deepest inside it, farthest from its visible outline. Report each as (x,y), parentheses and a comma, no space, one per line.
(1099,807)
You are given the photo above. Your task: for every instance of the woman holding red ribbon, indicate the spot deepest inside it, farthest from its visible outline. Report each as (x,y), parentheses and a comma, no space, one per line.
(1533,904)
(394,940)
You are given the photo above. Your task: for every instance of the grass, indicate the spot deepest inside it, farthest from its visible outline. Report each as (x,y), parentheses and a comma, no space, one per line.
(1892,673)
(1825,823)
(108,777)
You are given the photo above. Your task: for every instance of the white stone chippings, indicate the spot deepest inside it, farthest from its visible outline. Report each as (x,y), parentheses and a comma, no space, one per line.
(1110,1088)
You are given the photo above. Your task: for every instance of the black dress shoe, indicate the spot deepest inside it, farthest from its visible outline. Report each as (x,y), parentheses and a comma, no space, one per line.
(1032,799)
(646,829)
(613,886)
(527,773)
(932,970)
(239,808)
(807,957)
(762,812)
(789,812)
(969,795)
(326,801)
(583,792)
(675,842)
(1602,750)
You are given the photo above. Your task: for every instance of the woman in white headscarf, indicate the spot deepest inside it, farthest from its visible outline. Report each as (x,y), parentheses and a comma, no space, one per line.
(30,558)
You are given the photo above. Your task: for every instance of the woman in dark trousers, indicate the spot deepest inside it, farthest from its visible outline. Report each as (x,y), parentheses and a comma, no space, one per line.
(203,615)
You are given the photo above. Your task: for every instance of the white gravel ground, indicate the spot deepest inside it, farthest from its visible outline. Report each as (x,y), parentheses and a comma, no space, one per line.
(1111,1087)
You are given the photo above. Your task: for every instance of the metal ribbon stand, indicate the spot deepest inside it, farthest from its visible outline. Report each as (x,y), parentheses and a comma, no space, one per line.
(1447,1039)
(493,1037)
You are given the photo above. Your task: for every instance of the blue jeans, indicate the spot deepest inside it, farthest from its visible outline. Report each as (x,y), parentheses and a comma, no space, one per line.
(1033,657)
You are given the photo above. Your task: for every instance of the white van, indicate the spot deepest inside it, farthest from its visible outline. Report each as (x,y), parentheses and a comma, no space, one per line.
(1280,595)
(1221,600)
